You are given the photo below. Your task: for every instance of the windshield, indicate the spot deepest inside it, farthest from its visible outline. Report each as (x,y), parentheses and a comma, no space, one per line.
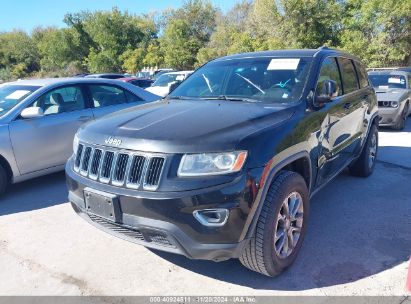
(165,79)
(11,95)
(264,79)
(387,81)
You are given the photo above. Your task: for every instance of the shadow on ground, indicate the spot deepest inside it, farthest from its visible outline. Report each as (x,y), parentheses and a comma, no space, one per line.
(34,194)
(358,227)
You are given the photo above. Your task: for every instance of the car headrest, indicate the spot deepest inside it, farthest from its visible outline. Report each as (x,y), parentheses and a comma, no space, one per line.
(56,99)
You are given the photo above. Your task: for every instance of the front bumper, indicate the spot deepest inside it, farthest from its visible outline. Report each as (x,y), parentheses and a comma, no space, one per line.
(389,116)
(165,221)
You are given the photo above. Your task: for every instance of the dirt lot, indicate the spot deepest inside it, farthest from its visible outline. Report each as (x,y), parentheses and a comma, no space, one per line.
(358,243)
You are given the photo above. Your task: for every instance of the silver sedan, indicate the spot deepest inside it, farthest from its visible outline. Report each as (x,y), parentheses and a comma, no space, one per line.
(38,120)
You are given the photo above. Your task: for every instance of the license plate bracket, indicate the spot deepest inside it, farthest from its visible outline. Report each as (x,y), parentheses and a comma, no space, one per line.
(102,204)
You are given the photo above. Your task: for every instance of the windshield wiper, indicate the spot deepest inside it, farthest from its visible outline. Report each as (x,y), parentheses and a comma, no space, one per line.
(168,97)
(250,82)
(208,83)
(228,98)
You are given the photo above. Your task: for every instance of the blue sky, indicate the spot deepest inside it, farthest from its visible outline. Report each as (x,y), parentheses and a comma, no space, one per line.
(27,14)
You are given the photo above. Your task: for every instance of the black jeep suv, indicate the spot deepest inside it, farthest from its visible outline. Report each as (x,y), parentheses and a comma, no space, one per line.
(224,167)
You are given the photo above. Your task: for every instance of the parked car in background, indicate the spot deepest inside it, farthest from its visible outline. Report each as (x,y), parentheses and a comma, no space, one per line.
(164,83)
(145,74)
(160,72)
(405,69)
(140,82)
(105,75)
(393,88)
(38,120)
(224,167)
(153,74)
(81,75)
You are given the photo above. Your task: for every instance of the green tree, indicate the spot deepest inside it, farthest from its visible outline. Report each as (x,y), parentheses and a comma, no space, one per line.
(154,55)
(18,53)
(101,61)
(109,34)
(311,23)
(186,31)
(229,28)
(179,47)
(200,15)
(133,60)
(378,31)
(58,48)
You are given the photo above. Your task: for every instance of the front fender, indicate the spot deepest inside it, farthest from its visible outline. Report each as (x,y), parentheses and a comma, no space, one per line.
(277,163)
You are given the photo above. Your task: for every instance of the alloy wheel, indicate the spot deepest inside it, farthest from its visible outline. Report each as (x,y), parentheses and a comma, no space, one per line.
(372,150)
(288,225)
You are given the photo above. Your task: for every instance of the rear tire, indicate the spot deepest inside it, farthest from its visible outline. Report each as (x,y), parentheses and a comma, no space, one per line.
(364,165)
(279,233)
(3,180)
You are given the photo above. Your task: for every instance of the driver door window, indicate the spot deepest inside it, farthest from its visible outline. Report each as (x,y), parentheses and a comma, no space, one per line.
(329,71)
(349,76)
(61,100)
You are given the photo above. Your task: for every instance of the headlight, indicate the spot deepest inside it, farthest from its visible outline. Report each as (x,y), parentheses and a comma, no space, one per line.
(75,143)
(395,104)
(211,163)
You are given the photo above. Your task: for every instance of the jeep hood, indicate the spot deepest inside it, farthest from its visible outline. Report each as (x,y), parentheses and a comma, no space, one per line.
(184,126)
(390,94)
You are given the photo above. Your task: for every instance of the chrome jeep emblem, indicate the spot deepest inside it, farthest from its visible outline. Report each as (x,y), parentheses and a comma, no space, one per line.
(113,141)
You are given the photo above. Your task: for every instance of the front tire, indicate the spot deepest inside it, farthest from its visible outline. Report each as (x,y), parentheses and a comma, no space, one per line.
(3,180)
(400,124)
(364,165)
(281,226)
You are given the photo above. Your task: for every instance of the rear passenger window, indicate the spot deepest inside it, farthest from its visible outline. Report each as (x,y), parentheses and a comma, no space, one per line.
(362,74)
(329,71)
(104,95)
(349,77)
(131,97)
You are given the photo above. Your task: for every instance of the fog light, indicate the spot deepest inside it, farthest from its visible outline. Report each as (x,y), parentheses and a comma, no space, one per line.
(212,217)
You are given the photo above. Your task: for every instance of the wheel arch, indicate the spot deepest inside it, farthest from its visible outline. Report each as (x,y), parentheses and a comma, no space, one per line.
(5,164)
(299,162)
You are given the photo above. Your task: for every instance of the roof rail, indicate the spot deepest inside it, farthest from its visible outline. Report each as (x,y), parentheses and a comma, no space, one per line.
(320,49)
(382,69)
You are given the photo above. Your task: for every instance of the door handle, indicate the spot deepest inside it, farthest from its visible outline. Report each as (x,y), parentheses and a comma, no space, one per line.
(347,105)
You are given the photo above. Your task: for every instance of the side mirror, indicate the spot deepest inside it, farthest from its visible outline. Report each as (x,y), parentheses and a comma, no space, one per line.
(32,112)
(174,85)
(328,92)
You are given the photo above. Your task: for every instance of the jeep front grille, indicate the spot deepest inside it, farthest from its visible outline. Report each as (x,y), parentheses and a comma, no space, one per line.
(95,163)
(128,169)
(154,171)
(136,170)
